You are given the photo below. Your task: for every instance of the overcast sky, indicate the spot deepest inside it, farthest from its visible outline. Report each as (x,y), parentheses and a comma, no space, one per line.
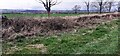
(34,5)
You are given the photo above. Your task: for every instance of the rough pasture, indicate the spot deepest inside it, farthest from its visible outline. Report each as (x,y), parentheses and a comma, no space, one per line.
(66,35)
(30,27)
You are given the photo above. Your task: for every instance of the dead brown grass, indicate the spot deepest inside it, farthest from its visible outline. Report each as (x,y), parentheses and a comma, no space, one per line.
(23,26)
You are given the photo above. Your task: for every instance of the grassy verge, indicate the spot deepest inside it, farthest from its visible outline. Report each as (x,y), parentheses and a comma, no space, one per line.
(101,40)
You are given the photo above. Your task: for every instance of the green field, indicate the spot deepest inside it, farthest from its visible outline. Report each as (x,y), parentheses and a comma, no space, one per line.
(37,15)
(100,40)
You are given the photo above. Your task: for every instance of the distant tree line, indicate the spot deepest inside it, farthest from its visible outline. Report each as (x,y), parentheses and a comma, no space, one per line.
(101,5)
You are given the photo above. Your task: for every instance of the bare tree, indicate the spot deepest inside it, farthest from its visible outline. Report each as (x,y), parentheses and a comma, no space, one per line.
(99,4)
(48,4)
(87,3)
(76,8)
(118,6)
(109,5)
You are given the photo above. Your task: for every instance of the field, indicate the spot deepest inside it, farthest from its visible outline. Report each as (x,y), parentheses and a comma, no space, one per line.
(38,15)
(103,39)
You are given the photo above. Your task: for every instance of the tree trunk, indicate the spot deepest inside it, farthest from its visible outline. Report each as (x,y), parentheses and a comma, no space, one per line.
(48,13)
(75,11)
(100,9)
(88,10)
(118,9)
(101,6)
(109,9)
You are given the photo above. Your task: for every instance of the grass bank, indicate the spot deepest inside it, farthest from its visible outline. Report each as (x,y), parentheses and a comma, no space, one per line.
(100,40)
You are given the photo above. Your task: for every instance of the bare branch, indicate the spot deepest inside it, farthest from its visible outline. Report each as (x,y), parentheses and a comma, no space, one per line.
(55,3)
(76,8)
(48,4)
(87,3)
(101,5)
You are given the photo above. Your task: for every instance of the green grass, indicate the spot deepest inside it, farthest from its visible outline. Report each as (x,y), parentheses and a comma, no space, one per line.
(37,15)
(102,40)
